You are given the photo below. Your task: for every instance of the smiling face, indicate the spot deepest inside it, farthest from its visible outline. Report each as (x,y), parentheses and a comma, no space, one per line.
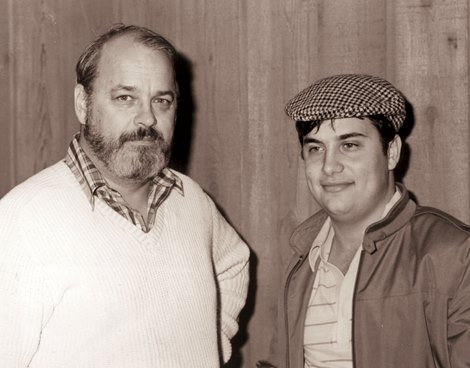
(129,117)
(347,172)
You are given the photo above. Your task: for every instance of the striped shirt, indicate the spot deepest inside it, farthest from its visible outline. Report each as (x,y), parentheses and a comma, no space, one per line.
(328,323)
(95,185)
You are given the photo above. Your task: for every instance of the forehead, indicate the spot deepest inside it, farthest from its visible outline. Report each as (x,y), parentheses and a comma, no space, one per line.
(125,58)
(338,128)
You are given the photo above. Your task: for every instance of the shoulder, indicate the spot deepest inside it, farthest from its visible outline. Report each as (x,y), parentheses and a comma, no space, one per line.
(189,185)
(194,196)
(197,205)
(44,186)
(439,222)
(434,232)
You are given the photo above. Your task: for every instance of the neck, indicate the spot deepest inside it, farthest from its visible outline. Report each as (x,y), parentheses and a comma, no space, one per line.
(348,238)
(349,233)
(130,190)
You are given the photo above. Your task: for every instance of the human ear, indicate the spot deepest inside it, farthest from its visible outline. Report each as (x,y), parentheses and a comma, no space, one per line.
(81,107)
(393,153)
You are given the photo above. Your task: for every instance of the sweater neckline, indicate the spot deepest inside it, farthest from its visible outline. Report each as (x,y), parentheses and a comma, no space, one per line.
(115,218)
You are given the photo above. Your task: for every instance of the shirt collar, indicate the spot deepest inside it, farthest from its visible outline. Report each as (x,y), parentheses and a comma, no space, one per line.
(322,243)
(395,198)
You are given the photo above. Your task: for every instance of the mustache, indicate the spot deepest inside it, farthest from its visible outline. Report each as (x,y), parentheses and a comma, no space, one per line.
(147,133)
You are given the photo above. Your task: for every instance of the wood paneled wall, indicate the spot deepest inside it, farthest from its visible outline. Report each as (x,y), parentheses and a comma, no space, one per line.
(244,60)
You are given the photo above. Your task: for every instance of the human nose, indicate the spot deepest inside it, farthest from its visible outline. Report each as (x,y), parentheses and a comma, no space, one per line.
(331,163)
(145,115)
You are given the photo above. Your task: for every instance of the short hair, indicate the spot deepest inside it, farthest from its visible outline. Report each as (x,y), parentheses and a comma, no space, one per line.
(383,125)
(87,65)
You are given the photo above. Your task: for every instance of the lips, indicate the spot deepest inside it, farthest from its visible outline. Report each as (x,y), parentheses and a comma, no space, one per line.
(143,141)
(335,187)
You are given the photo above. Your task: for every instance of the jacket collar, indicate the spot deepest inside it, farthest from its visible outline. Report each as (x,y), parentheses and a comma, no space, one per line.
(399,215)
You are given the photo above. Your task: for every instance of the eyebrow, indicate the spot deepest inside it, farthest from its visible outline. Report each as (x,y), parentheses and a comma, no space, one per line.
(341,137)
(122,87)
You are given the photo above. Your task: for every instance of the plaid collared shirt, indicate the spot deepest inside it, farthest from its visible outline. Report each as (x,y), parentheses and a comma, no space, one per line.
(94,185)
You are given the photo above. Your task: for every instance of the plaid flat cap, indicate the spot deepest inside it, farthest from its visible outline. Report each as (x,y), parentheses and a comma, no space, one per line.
(348,96)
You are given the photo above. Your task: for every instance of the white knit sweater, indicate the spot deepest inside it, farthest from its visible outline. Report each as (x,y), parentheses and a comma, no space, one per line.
(83,287)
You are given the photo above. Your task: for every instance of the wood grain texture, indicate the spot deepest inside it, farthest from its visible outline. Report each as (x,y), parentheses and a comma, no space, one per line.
(241,62)
(40,92)
(7,167)
(431,68)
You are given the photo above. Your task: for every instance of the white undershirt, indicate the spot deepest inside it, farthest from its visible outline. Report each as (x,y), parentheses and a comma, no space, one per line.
(328,323)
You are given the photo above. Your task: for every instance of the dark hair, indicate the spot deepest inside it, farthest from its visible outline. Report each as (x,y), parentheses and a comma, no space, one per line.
(86,68)
(380,122)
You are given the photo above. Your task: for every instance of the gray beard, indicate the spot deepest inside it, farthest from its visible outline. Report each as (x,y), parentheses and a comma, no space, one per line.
(128,161)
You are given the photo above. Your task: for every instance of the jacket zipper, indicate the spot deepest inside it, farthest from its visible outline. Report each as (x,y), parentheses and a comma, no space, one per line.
(286,292)
(354,310)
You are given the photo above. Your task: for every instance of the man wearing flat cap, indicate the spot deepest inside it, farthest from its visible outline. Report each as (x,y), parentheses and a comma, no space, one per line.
(376,281)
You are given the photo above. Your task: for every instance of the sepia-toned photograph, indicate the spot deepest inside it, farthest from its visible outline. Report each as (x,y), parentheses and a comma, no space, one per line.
(234,184)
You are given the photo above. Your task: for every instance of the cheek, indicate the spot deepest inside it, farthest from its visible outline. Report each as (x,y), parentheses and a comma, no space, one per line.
(115,123)
(166,126)
(97,117)
(168,137)
(372,173)
(312,173)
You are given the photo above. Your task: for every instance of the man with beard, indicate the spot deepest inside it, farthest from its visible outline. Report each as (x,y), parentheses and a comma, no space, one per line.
(109,258)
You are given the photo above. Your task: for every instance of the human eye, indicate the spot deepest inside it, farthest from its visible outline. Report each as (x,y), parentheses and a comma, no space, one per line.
(124,98)
(163,101)
(313,149)
(350,146)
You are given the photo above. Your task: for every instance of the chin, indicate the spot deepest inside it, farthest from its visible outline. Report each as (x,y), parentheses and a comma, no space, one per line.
(138,166)
(335,205)
(338,214)
(338,211)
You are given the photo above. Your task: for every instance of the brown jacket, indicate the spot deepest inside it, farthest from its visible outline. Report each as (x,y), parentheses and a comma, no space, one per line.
(411,303)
